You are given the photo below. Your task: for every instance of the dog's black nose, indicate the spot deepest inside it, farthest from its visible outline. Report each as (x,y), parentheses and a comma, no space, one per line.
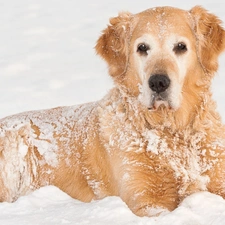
(159,82)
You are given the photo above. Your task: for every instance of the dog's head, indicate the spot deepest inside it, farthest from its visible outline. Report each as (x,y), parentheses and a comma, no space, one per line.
(163,53)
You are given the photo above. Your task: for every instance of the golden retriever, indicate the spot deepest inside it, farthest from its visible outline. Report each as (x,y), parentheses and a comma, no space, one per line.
(152,140)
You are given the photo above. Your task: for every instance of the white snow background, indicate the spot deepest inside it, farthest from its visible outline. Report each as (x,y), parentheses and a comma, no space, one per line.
(47,59)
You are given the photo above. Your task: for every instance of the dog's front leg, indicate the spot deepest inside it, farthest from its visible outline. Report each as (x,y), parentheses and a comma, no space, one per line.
(217,173)
(147,186)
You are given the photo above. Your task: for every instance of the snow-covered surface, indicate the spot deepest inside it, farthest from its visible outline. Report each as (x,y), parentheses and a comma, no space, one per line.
(50,206)
(47,59)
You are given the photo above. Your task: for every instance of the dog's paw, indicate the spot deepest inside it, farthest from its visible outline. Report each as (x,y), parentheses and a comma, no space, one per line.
(152,211)
(156,211)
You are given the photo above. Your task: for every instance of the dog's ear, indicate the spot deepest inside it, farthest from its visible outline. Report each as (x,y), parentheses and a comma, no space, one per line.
(113,43)
(210,37)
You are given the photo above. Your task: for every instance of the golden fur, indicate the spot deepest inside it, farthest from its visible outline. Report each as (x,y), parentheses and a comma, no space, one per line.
(151,152)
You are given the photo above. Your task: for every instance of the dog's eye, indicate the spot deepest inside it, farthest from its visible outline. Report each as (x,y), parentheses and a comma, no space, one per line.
(143,48)
(180,48)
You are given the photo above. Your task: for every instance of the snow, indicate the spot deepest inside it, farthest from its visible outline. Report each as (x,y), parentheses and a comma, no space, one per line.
(47,59)
(50,206)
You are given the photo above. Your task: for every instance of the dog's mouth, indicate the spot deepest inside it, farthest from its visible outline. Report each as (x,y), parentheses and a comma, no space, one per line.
(158,102)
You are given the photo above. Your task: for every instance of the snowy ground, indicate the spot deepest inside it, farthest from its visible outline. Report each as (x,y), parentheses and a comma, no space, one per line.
(46,60)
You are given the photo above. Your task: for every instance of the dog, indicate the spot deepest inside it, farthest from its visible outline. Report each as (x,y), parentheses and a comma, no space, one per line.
(154,139)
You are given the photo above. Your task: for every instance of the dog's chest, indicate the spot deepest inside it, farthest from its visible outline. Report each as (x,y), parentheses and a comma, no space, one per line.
(188,154)
(184,153)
